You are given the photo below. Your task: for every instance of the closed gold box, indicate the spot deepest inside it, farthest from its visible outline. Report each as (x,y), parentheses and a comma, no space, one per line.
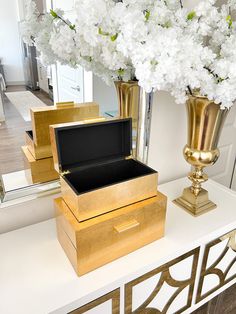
(41,170)
(38,140)
(97,173)
(100,240)
(38,151)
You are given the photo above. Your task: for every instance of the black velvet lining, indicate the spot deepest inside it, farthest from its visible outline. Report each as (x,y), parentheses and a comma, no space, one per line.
(30,133)
(85,180)
(93,143)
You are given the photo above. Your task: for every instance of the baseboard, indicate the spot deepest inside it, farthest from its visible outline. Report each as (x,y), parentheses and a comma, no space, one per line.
(15,83)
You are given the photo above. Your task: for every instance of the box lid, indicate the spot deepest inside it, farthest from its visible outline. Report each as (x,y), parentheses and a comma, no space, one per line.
(87,144)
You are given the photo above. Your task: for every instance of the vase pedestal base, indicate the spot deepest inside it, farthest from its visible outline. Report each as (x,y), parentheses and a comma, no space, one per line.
(195,205)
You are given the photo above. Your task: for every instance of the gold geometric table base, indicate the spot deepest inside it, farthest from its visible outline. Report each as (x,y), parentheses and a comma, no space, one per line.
(195,205)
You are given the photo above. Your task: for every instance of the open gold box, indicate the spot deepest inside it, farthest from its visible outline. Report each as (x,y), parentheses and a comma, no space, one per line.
(97,171)
(38,152)
(100,240)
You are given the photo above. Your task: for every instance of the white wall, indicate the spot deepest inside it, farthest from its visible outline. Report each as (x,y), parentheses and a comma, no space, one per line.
(10,47)
(104,95)
(168,137)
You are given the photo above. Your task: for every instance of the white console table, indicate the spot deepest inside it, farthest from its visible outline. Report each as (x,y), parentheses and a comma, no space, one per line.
(177,274)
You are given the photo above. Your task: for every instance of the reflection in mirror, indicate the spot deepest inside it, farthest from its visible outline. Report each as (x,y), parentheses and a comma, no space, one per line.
(29,92)
(17,101)
(24,84)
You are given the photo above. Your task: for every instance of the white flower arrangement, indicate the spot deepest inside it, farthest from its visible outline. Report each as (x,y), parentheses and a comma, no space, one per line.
(161,44)
(180,51)
(89,42)
(36,30)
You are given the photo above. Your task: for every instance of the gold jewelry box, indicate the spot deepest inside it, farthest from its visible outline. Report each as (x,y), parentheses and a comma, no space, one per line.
(37,152)
(38,140)
(41,170)
(100,240)
(96,171)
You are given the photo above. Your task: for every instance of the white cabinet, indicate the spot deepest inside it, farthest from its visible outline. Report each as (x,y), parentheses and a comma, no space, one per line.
(81,86)
(176,274)
(70,83)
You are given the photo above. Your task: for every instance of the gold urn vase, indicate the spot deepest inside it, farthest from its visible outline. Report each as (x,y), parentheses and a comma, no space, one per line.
(135,103)
(205,123)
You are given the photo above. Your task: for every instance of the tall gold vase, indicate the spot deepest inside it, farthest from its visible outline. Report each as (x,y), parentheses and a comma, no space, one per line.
(135,103)
(205,123)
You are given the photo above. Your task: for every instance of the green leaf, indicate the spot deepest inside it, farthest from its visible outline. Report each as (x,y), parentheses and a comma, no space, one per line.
(167,24)
(191,15)
(72,26)
(121,72)
(229,20)
(154,62)
(147,15)
(53,14)
(101,32)
(114,37)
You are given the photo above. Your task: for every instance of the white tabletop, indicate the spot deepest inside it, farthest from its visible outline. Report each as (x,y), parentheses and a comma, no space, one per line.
(36,276)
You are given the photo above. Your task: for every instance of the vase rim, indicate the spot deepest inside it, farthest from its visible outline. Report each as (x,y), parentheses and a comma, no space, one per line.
(196,95)
(130,81)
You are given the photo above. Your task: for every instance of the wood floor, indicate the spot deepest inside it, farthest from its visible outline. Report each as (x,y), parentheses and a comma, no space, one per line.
(225,303)
(12,133)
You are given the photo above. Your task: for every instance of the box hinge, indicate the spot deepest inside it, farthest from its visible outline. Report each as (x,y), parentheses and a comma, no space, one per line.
(63,173)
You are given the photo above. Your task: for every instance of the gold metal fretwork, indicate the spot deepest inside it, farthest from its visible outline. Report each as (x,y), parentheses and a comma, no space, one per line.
(114,296)
(232,240)
(165,278)
(214,268)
